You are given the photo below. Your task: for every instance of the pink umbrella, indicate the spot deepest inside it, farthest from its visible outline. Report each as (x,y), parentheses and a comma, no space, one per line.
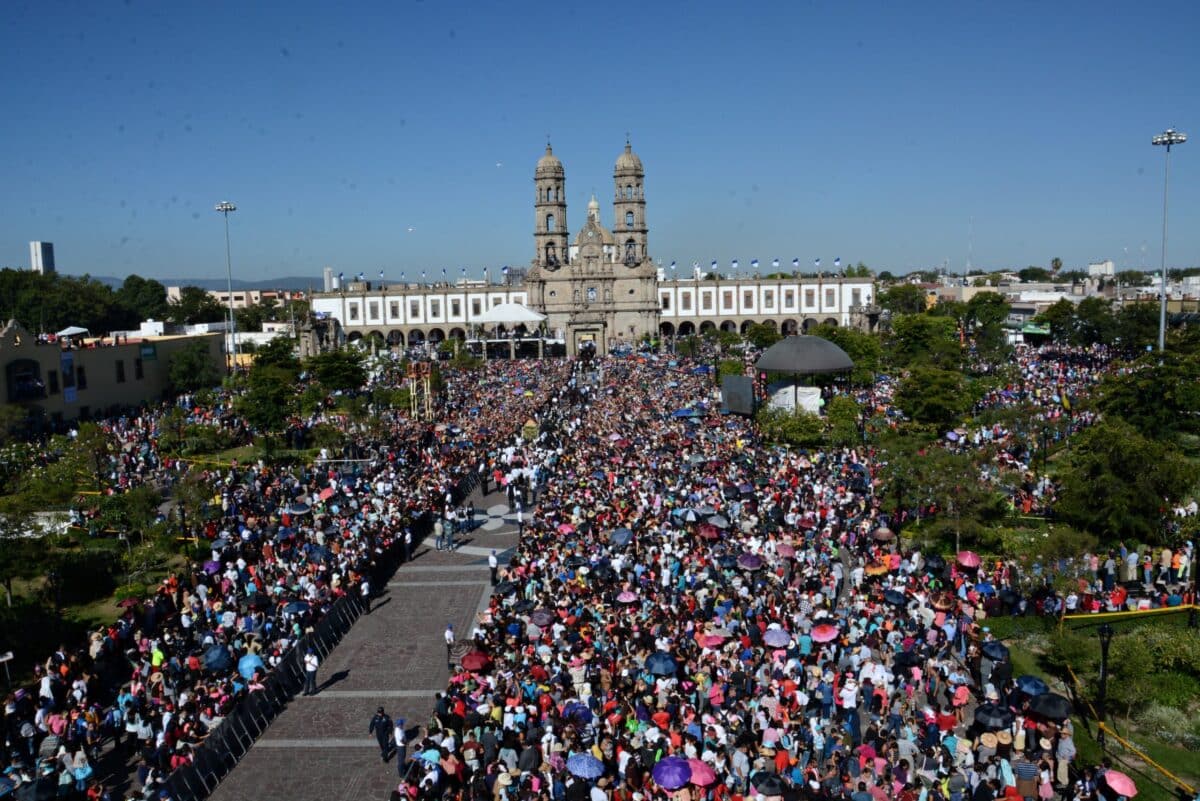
(566,528)
(710,640)
(702,774)
(709,532)
(968,559)
(825,632)
(627,597)
(1119,783)
(785,550)
(326,493)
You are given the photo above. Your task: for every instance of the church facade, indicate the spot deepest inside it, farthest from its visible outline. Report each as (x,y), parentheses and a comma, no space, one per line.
(599,289)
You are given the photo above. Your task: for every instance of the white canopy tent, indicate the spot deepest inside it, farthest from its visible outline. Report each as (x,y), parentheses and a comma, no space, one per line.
(509,314)
(72,331)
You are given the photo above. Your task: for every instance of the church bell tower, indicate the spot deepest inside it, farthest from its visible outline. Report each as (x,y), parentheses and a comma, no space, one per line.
(550,212)
(629,209)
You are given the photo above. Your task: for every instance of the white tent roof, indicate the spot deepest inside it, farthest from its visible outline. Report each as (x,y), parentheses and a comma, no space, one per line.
(71,331)
(510,313)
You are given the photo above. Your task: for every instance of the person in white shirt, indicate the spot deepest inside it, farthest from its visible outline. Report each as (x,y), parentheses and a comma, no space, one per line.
(311,663)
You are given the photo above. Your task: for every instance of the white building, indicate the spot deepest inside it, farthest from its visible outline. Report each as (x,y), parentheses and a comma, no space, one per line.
(41,257)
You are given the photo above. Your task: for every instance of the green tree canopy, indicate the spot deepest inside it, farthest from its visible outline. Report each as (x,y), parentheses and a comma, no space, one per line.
(865,350)
(195,305)
(279,352)
(269,399)
(762,335)
(1033,274)
(143,299)
(934,397)
(1160,397)
(924,339)
(191,368)
(903,299)
(987,308)
(339,370)
(1118,484)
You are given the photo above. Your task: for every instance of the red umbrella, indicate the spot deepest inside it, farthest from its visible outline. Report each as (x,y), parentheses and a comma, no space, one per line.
(476,661)
(702,774)
(1119,783)
(326,493)
(825,632)
(968,559)
(710,640)
(710,532)
(661,719)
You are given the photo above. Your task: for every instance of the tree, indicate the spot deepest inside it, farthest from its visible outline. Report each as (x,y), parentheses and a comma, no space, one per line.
(1137,325)
(1033,274)
(1160,396)
(269,399)
(1055,264)
(1116,483)
(934,397)
(796,428)
(339,370)
(143,299)
(1133,278)
(279,352)
(1059,317)
(191,368)
(864,349)
(1094,322)
(762,335)
(903,299)
(924,339)
(886,275)
(987,308)
(843,415)
(196,306)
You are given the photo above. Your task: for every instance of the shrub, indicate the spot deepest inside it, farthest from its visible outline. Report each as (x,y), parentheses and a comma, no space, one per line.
(132,590)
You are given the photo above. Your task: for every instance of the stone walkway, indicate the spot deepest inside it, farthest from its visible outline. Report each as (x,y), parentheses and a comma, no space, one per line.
(319,749)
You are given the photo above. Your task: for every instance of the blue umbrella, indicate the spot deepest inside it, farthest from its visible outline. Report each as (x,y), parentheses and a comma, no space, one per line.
(672,772)
(599,475)
(299,509)
(248,664)
(585,766)
(683,413)
(296,607)
(217,658)
(660,663)
(578,713)
(431,756)
(995,650)
(1032,685)
(985,588)
(621,537)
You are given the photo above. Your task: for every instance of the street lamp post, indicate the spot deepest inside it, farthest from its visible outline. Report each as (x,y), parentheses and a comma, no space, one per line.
(1106,634)
(1165,139)
(224,207)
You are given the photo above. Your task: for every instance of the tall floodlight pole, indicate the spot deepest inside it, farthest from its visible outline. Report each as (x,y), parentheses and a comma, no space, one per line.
(1165,139)
(225,207)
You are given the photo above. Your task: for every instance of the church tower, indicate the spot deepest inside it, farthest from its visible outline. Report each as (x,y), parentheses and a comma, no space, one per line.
(629,209)
(550,212)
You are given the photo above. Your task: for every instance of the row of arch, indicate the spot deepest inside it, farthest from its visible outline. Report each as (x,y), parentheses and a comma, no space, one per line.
(786,327)
(416,336)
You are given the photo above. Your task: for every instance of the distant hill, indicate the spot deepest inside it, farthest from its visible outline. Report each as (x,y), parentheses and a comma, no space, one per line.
(286,282)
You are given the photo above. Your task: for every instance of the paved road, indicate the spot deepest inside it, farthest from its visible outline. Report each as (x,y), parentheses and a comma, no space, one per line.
(319,749)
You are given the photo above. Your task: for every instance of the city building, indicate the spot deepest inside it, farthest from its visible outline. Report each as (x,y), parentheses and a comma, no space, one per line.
(41,257)
(599,289)
(1102,269)
(242,298)
(79,376)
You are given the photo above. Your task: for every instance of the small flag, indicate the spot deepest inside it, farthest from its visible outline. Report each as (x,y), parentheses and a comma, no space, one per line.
(817,261)
(341,277)
(837,262)
(735,265)
(504,269)
(775,264)
(464,271)
(754,264)
(381,275)
(443,273)
(402,275)
(695,265)
(714,265)
(422,275)
(672,265)
(362,276)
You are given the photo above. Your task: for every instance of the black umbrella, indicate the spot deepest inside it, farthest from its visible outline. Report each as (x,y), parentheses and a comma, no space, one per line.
(505,588)
(1051,706)
(907,659)
(1009,597)
(767,783)
(993,717)
(894,597)
(934,564)
(524,605)
(995,650)
(576,561)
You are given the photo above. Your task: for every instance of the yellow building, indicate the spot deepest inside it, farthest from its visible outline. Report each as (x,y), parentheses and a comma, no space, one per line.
(75,377)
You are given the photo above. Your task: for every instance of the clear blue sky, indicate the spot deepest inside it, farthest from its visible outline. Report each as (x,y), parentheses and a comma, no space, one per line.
(870,131)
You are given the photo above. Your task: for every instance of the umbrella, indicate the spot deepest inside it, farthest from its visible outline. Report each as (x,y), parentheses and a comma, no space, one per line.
(710,640)
(1032,685)
(968,559)
(767,783)
(683,413)
(672,772)
(952,436)
(577,712)
(599,475)
(326,494)
(785,550)
(566,528)
(299,509)
(576,561)
(907,659)
(217,658)
(777,638)
(248,664)
(824,632)
(1119,783)
(660,663)
(994,650)
(505,588)
(430,755)
(542,618)
(993,716)
(476,661)
(750,561)
(702,774)
(894,597)
(877,569)
(524,605)
(585,766)
(883,534)
(709,532)
(727,560)
(627,597)
(985,588)
(296,607)
(1050,706)
(212,567)
(621,537)
(934,564)
(720,521)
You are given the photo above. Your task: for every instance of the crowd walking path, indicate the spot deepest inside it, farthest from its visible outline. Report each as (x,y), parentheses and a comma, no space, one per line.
(395,657)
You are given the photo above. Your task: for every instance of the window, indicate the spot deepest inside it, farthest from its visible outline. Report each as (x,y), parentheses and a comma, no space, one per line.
(748,299)
(829,297)
(591,294)
(456,308)
(706,301)
(373,309)
(435,308)
(666,302)
(80,378)
(120,371)
(414,308)
(394,309)
(52,382)
(629,219)
(727,300)
(138,372)
(809,297)
(855,297)
(685,302)
(789,298)
(353,311)
(476,307)
(550,223)
(629,191)
(768,298)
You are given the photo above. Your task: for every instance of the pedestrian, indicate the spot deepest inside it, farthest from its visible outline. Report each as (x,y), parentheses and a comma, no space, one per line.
(449,635)
(400,741)
(381,727)
(439,531)
(407,543)
(311,663)
(493,565)
(365,588)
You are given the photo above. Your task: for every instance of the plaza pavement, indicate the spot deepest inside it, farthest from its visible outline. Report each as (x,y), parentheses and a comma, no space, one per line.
(319,749)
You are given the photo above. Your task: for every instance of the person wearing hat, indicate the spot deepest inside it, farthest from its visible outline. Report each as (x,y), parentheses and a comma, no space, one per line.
(400,742)
(381,727)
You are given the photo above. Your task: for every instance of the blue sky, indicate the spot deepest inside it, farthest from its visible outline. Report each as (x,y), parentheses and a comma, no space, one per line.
(903,135)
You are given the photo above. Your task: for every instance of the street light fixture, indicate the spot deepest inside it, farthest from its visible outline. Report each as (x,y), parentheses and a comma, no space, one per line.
(1165,139)
(1106,634)
(224,207)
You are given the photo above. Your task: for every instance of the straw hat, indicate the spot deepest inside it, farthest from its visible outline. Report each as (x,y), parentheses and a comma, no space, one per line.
(1004,737)
(1045,744)
(987,740)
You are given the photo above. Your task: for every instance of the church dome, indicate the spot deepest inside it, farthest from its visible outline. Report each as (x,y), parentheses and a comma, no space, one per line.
(549,163)
(628,161)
